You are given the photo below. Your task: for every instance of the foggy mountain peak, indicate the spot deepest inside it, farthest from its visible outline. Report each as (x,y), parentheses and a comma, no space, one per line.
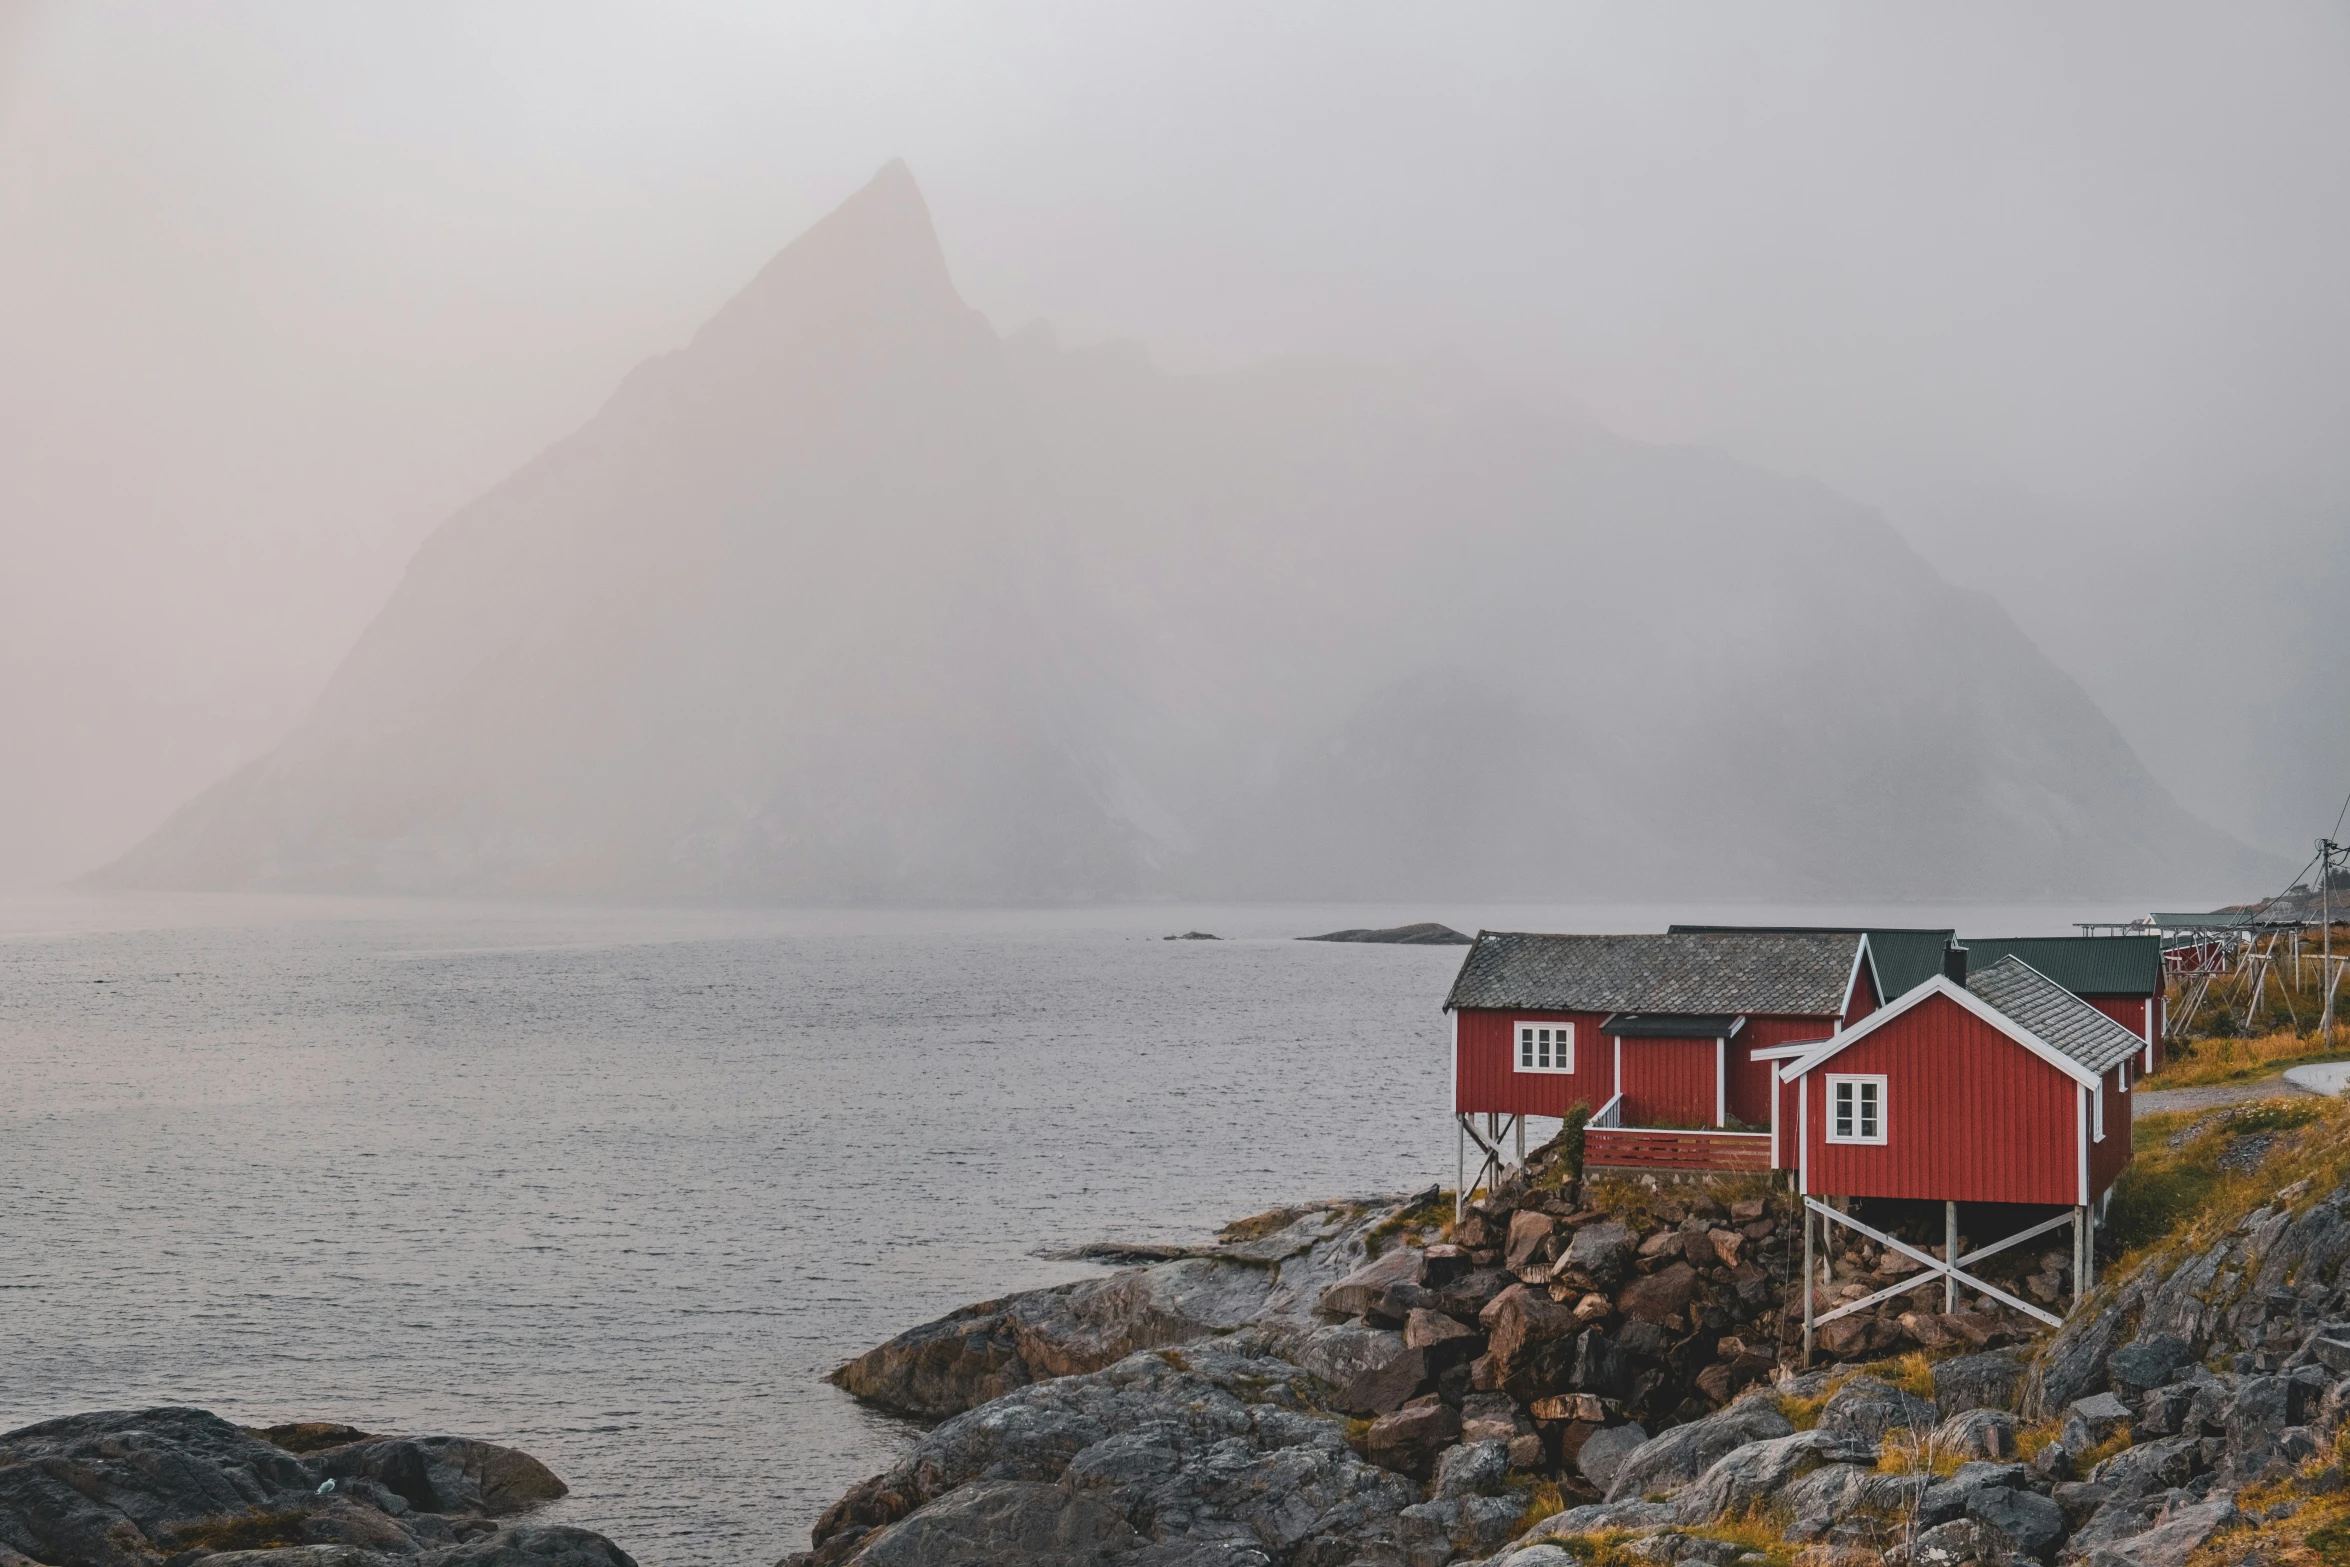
(873,258)
(846,601)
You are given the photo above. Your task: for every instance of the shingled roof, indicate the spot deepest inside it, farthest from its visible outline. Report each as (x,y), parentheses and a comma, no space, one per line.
(1733,972)
(2053,1014)
(1903,956)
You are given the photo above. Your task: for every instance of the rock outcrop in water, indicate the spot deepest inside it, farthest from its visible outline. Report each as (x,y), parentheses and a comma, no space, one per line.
(138,1488)
(1425,934)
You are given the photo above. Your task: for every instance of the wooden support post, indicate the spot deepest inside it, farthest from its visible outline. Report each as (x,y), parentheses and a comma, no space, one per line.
(1950,1255)
(1809,1278)
(2080,1229)
(1521,1120)
(1460,1169)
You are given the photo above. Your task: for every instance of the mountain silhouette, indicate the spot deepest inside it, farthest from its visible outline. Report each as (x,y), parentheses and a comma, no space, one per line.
(850,599)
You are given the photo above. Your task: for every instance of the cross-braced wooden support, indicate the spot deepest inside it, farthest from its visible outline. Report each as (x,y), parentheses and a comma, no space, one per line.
(1491,1165)
(1951,1273)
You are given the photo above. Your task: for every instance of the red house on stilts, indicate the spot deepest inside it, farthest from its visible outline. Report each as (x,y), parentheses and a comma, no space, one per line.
(1999,1087)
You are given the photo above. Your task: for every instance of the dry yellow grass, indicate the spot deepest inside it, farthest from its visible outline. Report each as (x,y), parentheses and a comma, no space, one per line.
(2169,1195)
(2200,1063)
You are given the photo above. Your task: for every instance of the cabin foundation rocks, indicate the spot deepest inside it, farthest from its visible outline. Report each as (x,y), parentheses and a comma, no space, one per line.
(172,1487)
(1368,1353)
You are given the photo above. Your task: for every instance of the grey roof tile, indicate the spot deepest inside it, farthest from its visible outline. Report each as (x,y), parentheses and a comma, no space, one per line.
(1737,972)
(2022,993)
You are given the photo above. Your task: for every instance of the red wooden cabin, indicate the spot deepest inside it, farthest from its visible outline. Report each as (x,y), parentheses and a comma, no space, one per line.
(1667,1039)
(2006,1089)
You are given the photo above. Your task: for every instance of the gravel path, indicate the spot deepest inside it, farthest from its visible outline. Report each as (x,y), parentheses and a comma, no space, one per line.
(2155,1101)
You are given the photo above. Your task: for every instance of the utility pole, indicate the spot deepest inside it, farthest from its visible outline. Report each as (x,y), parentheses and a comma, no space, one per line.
(2329,855)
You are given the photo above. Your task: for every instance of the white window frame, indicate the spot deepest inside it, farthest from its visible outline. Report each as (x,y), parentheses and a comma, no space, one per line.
(1875,1078)
(1523,1050)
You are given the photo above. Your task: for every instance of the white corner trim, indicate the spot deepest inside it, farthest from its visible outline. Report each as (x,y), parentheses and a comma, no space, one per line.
(1456,1064)
(1722,1081)
(2097,1111)
(1803,1139)
(2081,1136)
(1941,986)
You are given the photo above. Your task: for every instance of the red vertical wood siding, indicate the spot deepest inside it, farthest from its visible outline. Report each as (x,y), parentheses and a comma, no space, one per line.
(1487,1076)
(1970,1115)
(2107,1158)
(1668,1081)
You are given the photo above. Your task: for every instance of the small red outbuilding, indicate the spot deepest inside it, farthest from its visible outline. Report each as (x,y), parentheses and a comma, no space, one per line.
(2008,1089)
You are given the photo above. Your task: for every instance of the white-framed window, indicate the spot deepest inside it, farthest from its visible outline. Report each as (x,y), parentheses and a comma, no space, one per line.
(1546,1047)
(1856,1109)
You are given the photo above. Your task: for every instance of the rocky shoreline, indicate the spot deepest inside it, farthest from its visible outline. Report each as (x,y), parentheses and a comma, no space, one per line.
(1607,1377)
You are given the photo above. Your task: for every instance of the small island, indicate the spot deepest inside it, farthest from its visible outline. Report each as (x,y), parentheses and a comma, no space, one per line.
(1425,934)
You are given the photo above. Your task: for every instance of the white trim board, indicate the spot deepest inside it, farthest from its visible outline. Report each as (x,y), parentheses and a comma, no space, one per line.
(1876,980)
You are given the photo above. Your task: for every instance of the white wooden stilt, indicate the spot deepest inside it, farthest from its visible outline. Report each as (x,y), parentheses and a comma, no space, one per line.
(1950,1252)
(1810,1283)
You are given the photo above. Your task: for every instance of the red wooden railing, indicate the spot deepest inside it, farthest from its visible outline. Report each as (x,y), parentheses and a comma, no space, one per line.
(1641,1148)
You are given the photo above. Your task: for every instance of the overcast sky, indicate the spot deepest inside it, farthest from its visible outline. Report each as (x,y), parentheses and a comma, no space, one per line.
(282,285)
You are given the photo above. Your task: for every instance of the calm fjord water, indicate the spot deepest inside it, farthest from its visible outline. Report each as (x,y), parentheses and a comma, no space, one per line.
(619,1186)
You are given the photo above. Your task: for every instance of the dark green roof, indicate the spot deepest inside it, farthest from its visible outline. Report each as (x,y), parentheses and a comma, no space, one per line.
(2084,965)
(1905,957)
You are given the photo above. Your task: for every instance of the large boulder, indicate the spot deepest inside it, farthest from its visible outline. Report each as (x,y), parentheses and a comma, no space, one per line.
(1745,1475)
(1199,1446)
(530,1545)
(1660,1296)
(2172,1536)
(130,1488)
(1360,1290)
(445,1474)
(2142,1365)
(1865,1410)
(941,1368)
(1603,1452)
(1666,1463)
(1978,1434)
(1004,1523)
(109,1490)
(2033,1523)
(1990,1380)
(1282,1276)
(1600,1255)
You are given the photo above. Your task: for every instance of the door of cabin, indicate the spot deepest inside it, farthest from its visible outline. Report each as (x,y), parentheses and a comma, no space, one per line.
(1668,1082)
